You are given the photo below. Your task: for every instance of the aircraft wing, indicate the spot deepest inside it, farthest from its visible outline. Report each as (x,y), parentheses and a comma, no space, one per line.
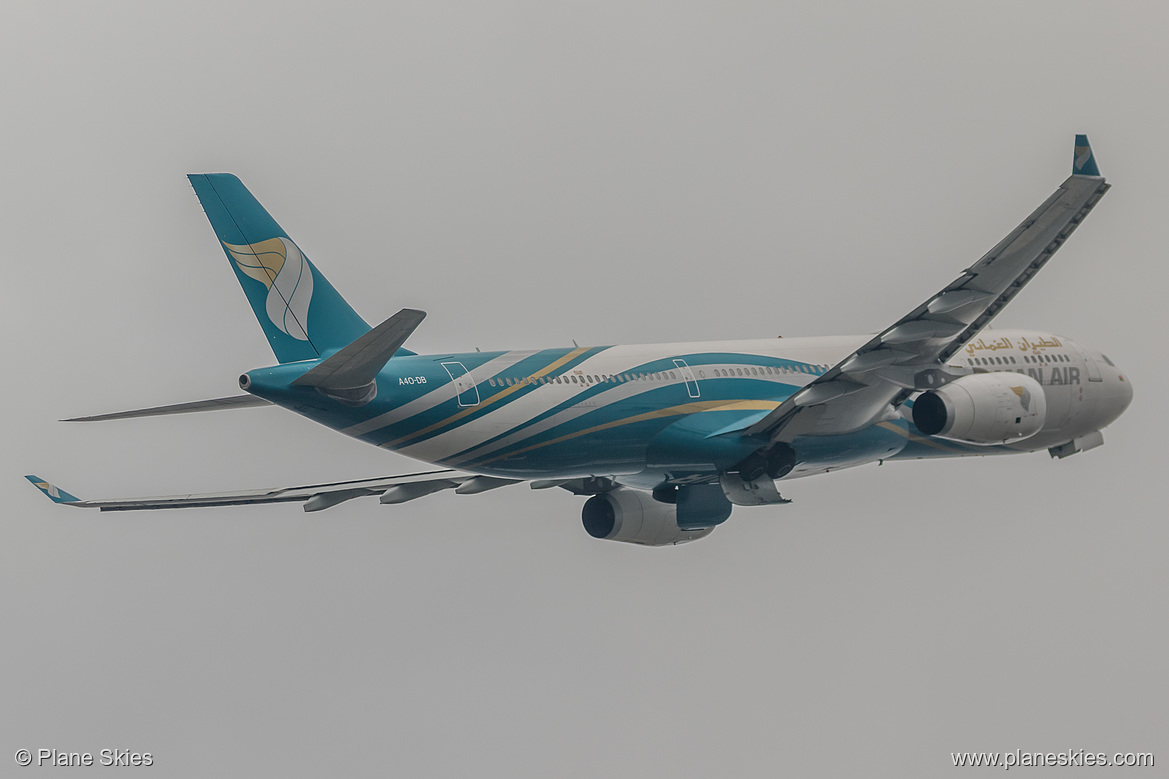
(910,354)
(315,497)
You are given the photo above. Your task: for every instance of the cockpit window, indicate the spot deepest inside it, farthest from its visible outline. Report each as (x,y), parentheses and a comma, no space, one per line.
(1105,356)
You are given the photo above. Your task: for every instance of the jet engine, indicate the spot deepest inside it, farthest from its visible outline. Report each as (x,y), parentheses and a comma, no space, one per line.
(984,409)
(635,517)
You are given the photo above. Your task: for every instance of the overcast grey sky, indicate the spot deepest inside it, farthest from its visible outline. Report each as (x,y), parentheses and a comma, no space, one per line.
(531,173)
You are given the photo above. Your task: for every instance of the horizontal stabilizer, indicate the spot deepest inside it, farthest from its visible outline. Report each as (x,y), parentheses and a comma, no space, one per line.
(349,374)
(215,404)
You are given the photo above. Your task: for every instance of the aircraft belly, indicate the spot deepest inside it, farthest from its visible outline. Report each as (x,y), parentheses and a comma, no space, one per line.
(820,454)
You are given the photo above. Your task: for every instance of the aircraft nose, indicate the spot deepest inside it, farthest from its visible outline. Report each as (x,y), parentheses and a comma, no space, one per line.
(1124,387)
(1117,397)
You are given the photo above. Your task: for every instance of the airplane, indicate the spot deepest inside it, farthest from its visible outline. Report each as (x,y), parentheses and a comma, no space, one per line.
(663,440)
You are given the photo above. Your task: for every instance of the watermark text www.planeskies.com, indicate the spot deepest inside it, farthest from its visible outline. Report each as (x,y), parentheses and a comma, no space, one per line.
(1071,758)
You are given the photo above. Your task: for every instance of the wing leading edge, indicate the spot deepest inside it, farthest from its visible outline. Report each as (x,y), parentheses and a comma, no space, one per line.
(909,355)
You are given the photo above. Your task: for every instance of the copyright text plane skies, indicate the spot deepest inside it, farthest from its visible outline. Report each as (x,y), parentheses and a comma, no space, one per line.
(663,439)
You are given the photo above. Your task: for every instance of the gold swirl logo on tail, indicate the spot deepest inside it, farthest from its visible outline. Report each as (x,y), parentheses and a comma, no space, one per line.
(279,265)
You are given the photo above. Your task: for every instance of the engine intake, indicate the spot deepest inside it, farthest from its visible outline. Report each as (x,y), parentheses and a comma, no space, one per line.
(635,517)
(985,409)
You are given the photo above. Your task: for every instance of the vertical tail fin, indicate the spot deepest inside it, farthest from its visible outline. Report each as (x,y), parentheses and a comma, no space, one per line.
(300,312)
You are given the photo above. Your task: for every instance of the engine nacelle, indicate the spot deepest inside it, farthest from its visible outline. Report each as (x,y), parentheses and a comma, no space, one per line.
(984,409)
(635,517)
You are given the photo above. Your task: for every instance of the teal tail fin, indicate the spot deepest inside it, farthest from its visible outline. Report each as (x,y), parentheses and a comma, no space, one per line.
(300,312)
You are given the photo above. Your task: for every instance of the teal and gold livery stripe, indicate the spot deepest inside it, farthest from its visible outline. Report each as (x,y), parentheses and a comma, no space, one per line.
(498,397)
(627,396)
(684,409)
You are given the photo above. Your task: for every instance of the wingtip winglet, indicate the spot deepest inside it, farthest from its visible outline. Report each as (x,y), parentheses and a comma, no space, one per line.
(55,494)
(1083,160)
